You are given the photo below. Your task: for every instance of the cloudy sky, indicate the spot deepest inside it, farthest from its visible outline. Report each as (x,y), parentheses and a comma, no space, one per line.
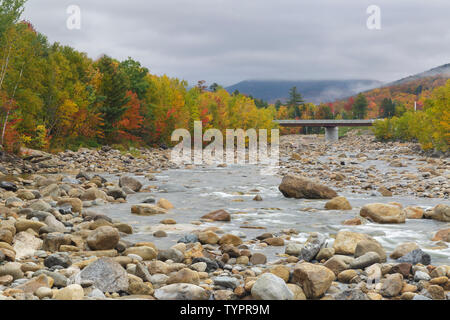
(227,41)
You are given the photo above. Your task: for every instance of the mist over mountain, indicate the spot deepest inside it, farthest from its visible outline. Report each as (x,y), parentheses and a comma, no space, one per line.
(315,91)
(441,71)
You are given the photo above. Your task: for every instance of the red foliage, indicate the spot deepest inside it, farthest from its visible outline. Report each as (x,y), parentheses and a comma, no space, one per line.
(349,105)
(11,142)
(131,120)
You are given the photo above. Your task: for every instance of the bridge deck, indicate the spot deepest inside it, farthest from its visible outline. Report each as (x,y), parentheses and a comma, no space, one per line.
(325,123)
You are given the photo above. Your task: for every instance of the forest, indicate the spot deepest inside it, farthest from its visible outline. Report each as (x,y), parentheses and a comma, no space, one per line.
(53,97)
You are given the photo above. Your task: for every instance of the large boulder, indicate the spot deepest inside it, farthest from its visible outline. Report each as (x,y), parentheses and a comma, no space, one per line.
(230,239)
(116,193)
(392,285)
(416,256)
(270,287)
(403,249)
(147,209)
(338,263)
(383,213)
(185,275)
(442,235)
(338,203)
(145,252)
(365,260)
(130,182)
(53,241)
(103,238)
(106,274)
(25,244)
(165,204)
(441,213)
(346,242)
(314,279)
(295,186)
(414,212)
(75,203)
(366,246)
(218,215)
(92,194)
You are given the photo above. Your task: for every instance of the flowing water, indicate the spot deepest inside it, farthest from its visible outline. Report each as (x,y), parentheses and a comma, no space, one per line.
(195,192)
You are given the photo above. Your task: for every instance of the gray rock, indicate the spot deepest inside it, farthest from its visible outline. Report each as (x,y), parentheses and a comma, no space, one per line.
(58,259)
(142,272)
(107,275)
(416,256)
(13,269)
(270,287)
(227,282)
(116,193)
(130,182)
(96,293)
(365,260)
(211,265)
(53,223)
(66,209)
(59,279)
(312,246)
(41,215)
(83,175)
(70,180)
(188,238)
(421,297)
(159,279)
(171,254)
(8,186)
(351,294)
(40,205)
(12,200)
(293,249)
(420,275)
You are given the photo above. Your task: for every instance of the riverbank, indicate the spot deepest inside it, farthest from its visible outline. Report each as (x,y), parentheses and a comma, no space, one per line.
(148,236)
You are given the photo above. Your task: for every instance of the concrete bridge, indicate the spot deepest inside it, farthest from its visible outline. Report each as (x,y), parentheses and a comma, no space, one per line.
(331,126)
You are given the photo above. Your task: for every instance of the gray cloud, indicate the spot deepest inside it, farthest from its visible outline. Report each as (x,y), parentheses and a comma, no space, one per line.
(231,40)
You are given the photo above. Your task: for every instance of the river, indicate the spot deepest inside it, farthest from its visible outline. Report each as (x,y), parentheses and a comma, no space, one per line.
(195,192)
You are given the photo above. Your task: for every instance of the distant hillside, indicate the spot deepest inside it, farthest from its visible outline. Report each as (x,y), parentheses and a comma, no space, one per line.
(315,91)
(441,71)
(410,91)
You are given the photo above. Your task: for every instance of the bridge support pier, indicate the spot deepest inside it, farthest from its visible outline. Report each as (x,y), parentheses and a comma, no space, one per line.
(331,134)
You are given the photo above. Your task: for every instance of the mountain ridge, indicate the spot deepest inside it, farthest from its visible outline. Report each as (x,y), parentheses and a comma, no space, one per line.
(318,91)
(315,91)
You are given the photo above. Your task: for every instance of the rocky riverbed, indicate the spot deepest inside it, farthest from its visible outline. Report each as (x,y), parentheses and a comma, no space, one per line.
(357,219)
